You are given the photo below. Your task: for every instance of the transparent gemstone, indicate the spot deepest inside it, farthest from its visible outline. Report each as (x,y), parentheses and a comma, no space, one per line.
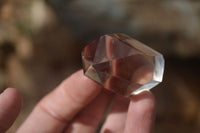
(123,65)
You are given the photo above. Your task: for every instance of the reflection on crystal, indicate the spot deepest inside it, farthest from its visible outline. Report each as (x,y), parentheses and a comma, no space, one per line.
(123,65)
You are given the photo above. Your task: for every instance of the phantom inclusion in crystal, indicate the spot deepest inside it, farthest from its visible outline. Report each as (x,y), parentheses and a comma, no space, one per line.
(122,64)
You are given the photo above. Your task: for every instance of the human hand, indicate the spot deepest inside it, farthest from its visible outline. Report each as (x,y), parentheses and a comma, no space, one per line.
(78,105)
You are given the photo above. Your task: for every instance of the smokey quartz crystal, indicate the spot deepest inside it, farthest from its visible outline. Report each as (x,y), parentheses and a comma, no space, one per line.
(122,64)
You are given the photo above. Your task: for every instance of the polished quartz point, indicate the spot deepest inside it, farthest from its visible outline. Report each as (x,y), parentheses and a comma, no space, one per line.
(123,65)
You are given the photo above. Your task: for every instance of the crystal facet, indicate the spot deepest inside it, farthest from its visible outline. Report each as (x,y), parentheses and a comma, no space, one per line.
(123,65)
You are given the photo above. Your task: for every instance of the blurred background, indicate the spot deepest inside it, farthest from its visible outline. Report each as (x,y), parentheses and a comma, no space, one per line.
(41,41)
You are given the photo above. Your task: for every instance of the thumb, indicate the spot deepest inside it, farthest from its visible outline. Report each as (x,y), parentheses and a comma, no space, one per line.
(10,106)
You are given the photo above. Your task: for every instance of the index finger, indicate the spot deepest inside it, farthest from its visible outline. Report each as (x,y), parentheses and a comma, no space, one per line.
(54,111)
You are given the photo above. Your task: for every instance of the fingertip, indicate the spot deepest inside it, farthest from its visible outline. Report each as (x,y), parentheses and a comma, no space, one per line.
(14,95)
(141,114)
(79,77)
(144,97)
(12,91)
(144,102)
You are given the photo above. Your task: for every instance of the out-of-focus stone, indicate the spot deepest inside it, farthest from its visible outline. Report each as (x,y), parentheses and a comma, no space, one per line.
(24,48)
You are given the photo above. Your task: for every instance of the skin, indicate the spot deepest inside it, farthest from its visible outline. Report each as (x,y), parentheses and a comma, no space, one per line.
(78,105)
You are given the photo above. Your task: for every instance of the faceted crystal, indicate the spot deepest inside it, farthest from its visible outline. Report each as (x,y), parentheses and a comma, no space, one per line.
(123,65)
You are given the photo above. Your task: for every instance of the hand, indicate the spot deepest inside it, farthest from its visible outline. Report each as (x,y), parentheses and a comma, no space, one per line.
(78,106)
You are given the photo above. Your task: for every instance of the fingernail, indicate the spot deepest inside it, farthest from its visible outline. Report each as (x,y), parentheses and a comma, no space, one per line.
(2,92)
